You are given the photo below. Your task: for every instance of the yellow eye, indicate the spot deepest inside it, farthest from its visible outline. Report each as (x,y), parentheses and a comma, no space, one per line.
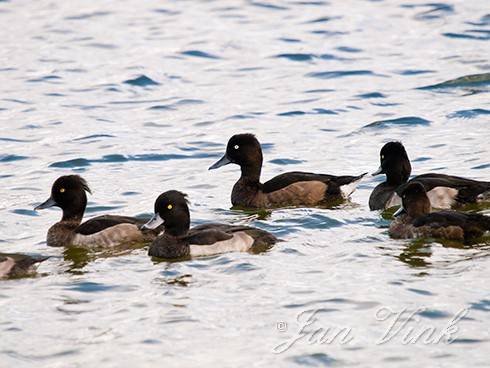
(169,206)
(382,157)
(62,190)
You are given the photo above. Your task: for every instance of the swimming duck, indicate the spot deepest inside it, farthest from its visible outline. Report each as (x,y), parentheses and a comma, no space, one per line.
(415,220)
(69,193)
(177,240)
(444,191)
(18,265)
(288,189)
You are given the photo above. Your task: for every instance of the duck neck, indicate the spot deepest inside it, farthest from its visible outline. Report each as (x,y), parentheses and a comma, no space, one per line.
(396,178)
(178,226)
(251,174)
(75,212)
(398,172)
(419,208)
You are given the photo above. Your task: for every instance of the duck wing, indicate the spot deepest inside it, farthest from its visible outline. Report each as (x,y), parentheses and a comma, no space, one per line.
(208,234)
(333,182)
(100,223)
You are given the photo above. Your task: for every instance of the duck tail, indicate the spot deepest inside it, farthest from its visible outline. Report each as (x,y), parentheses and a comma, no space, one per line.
(485,195)
(349,188)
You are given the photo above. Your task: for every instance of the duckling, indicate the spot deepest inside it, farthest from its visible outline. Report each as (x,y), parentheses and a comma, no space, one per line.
(69,193)
(177,240)
(444,191)
(18,265)
(288,189)
(415,220)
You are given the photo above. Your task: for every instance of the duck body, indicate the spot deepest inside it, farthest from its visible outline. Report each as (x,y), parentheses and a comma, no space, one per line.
(100,231)
(384,196)
(68,193)
(416,221)
(288,189)
(446,191)
(443,191)
(14,265)
(292,189)
(210,239)
(179,240)
(450,225)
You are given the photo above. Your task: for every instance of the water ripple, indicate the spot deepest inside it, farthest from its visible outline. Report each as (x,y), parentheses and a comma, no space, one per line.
(404,121)
(114,158)
(11,158)
(472,80)
(199,54)
(339,74)
(468,114)
(141,81)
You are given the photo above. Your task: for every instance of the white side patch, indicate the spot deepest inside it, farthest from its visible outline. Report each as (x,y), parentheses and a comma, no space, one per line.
(110,237)
(442,197)
(348,189)
(241,242)
(395,200)
(6,266)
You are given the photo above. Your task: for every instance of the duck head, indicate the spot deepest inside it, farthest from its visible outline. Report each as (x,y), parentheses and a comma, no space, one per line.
(415,202)
(395,163)
(171,210)
(68,193)
(243,150)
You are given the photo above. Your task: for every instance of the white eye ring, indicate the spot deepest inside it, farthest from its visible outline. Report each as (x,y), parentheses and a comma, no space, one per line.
(237,146)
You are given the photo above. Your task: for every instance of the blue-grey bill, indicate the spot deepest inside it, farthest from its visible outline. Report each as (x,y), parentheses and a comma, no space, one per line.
(399,212)
(49,203)
(222,162)
(377,172)
(154,222)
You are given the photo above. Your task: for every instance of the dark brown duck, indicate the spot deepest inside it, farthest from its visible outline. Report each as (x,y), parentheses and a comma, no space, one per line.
(444,191)
(179,240)
(415,220)
(69,194)
(288,189)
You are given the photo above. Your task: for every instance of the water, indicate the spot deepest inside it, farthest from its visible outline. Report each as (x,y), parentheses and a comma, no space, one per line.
(141,97)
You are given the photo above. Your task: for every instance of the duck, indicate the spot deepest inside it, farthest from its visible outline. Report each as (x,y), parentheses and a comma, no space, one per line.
(178,240)
(444,191)
(69,193)
(285,190)
(414,219)
(14,265)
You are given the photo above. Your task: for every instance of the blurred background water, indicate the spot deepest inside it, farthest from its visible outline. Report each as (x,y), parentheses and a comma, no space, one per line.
(141,97)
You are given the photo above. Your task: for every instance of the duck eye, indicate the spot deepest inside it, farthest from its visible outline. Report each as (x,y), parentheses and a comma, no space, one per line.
(170,206)
(382,157)
(237,146)
(62,190)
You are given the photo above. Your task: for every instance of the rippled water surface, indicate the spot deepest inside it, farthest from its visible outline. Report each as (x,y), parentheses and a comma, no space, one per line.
(141,97)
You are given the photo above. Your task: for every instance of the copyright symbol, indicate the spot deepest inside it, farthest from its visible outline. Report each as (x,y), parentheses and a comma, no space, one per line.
(282,326)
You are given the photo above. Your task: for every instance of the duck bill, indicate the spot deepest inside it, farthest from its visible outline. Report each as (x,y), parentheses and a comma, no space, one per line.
(154,222)
(49,203)
(399,212)
(377,172)
(222,162)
